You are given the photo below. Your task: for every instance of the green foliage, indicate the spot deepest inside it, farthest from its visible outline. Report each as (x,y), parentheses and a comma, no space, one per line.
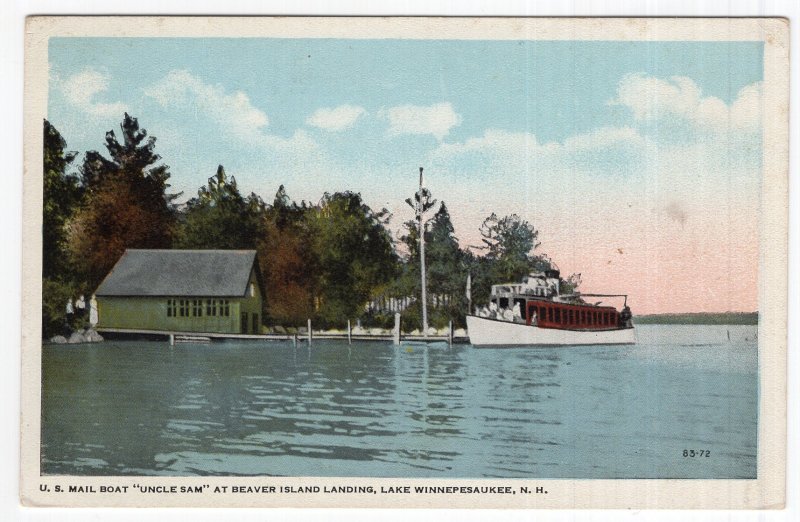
(509,243)
(126,203)
(61,195)
(55,293)
(219,217)
(353,253)
(323,261)
(447,265)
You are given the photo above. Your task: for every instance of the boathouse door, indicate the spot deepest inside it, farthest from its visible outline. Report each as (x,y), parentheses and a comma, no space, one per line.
(243,326)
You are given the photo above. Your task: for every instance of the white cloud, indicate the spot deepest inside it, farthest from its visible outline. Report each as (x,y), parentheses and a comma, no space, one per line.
(81,89)
(651,98)
(522,150)
(336,119)
(435,119)
(232,111)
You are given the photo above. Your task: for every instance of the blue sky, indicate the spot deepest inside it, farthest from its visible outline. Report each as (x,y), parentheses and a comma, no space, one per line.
(563,133)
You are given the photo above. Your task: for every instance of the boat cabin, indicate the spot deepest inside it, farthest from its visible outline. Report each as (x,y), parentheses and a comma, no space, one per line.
(537,301)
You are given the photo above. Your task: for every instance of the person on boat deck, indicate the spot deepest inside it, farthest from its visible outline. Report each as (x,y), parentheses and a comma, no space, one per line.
(533,319)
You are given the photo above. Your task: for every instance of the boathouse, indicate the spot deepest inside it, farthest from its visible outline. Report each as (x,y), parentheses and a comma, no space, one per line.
(198,291)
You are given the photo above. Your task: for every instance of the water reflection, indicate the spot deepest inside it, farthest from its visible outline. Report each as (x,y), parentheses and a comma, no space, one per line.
(373,409)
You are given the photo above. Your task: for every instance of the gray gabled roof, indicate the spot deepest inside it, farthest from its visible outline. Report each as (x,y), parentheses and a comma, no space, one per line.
(189,273)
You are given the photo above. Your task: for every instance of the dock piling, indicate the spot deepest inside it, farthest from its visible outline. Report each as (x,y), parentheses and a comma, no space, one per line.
(450,333)
(349,333)
(396,330)
(309,332)
(172,339)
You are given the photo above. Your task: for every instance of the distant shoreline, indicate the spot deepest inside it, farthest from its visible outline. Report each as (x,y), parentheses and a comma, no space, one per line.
(732,318)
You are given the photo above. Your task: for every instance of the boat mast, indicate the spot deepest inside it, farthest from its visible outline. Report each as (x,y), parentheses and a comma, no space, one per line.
(422,259)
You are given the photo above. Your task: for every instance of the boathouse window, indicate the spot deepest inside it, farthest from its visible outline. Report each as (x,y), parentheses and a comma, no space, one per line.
(211,307)
(170,307)
(184,308)
(224,308)
(197,308)
(252,290)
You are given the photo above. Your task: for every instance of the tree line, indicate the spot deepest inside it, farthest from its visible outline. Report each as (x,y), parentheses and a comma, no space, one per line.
(322,260)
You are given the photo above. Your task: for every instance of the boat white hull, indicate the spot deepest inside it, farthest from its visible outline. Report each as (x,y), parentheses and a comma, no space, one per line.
(491,332)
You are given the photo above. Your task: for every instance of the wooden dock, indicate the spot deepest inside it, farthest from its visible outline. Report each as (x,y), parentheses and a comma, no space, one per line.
(297,338)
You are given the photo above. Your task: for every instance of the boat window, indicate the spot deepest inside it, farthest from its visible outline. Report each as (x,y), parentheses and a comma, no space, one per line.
(549,314)
(504,302)
(558,315)
(571,316)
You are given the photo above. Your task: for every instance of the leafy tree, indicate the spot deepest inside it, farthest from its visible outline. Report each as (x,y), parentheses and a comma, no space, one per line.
(60,196)
(353,252)
(446,268)
(509,242)
(446,273)
(219,217)
(286,262)
(126,203)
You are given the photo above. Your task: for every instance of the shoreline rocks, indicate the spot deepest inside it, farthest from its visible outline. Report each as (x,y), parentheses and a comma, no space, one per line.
(87,335)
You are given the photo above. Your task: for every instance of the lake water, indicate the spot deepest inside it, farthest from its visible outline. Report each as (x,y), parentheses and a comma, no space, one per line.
(376,410)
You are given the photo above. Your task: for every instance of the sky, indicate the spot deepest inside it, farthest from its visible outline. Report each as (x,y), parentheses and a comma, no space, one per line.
(638,162)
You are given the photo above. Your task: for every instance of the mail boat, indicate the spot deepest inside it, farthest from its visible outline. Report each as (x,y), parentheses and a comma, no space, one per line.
(535,313)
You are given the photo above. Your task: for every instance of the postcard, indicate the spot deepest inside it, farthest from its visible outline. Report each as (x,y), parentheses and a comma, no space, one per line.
(405,262)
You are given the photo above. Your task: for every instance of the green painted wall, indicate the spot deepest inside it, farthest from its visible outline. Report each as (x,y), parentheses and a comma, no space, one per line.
(150,313)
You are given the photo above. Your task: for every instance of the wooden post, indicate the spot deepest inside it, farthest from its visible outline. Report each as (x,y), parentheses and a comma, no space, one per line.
(309,332)
(349,333)
(450,333)
(295,340)
(396,331)
(172,339)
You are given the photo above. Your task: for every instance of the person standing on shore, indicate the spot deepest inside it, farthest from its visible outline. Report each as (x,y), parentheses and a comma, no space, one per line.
(80,310)
(93,312)
(70,315)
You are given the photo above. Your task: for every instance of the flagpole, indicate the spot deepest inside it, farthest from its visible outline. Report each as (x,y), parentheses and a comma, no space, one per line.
(422,260)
